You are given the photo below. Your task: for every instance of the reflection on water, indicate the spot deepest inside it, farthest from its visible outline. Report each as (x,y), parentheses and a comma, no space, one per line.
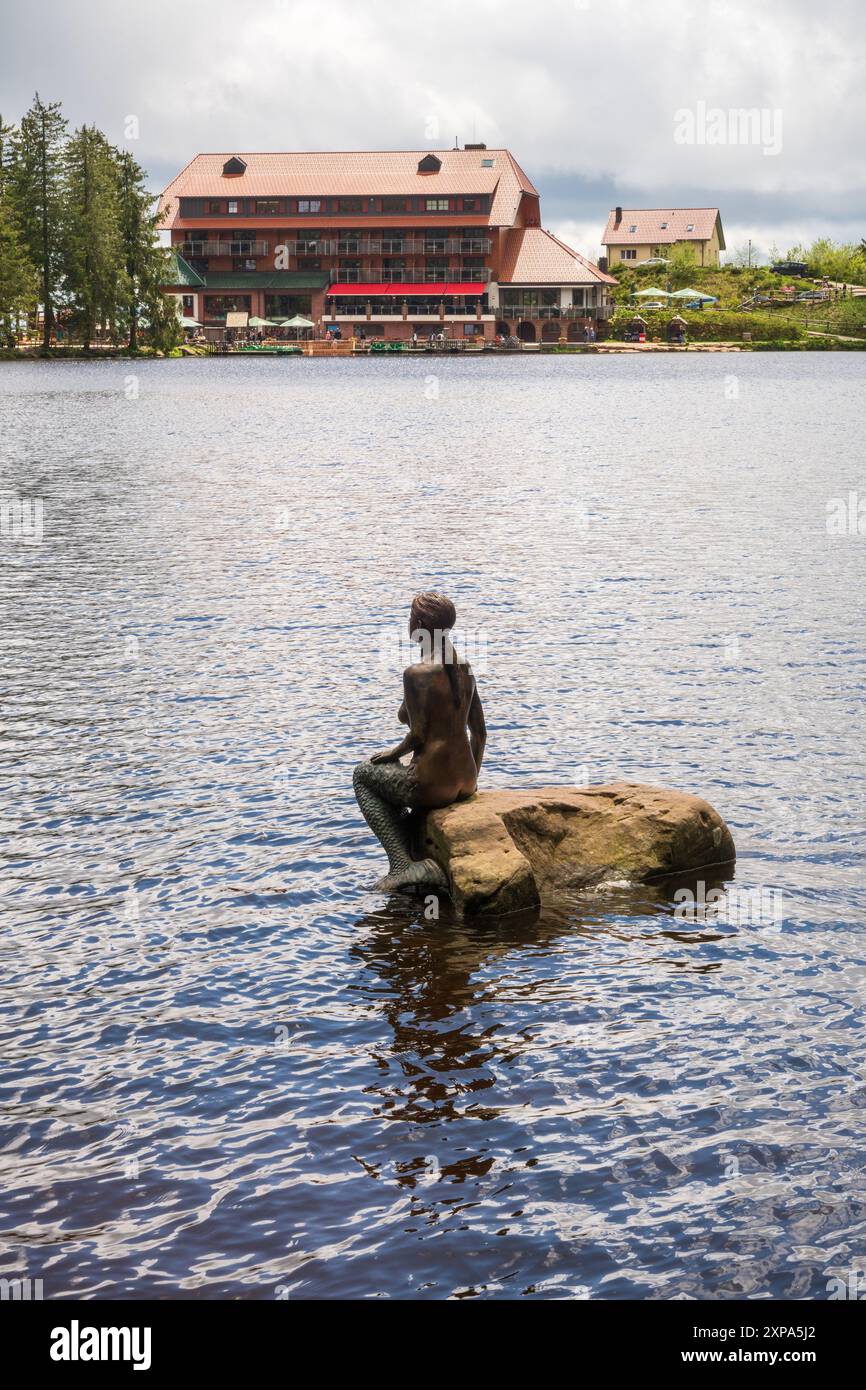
(229,1066)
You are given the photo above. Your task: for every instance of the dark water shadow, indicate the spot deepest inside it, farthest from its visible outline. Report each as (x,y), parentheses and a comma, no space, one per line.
(434,981)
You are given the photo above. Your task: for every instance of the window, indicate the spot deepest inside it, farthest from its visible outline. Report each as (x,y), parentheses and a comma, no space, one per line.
(233,205)
(690,227)
(393,204)
(243,263)
(487,164)
(350,205)
(188,305)
(285,306)
(217,306)
(309,205)
(471,205)
(267,207)
(436,204)
(214,205)
(663,226)
(628,253)
(633,227)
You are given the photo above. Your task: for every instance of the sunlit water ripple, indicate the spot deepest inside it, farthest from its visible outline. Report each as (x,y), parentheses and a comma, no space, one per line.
(229,1067)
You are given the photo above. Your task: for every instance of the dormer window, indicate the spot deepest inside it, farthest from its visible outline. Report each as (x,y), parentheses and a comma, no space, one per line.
(235,166)
(429,164)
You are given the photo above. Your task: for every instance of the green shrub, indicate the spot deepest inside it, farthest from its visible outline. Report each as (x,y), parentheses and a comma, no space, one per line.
(712,325)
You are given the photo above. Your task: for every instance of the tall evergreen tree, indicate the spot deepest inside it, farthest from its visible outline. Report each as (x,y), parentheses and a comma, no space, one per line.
(19,282)
(145,261)
(36,185)
(92,245)
(7,152)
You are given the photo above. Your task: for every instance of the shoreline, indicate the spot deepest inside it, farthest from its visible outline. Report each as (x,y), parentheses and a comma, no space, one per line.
(319,350)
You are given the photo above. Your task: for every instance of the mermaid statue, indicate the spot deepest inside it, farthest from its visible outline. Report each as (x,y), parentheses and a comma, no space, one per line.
(440,703)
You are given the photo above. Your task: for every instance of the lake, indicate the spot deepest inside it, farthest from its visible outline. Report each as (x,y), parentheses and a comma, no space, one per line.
(229,1066)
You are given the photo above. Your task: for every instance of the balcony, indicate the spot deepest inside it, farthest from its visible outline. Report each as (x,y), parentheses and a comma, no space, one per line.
(546,311)
(200,249)
(409,275)
(388,246)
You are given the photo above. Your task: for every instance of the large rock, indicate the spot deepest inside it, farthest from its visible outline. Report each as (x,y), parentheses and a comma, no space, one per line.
(505,850)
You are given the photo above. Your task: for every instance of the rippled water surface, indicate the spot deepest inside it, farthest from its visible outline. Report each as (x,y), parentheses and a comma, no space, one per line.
(229,1066)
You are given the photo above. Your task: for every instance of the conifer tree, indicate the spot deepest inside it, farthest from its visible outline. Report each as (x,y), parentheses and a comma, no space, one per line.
(92,246)
(35,183)
(145,262)
(19,283)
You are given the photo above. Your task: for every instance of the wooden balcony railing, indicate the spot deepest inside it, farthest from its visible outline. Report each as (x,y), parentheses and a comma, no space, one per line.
(547,311)
(198,249)
(387,246)
(409,275)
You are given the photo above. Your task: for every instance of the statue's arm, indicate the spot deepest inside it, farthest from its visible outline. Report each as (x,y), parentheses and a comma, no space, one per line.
(477,730)
(409,713)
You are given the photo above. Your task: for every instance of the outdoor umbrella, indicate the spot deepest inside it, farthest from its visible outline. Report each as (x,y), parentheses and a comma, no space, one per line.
(189,323)
(694,294)
(652,293)
(297,323)
(262,323)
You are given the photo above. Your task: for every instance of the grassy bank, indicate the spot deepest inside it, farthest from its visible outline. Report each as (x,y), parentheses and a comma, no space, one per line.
(78,354)
(735,288)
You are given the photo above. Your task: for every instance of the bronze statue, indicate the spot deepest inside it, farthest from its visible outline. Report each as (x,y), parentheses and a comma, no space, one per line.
(440,699)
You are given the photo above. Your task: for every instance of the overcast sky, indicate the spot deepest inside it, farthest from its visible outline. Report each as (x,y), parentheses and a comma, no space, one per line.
(584,92)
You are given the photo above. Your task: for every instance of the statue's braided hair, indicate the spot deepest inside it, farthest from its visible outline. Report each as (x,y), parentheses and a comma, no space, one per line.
(434,613)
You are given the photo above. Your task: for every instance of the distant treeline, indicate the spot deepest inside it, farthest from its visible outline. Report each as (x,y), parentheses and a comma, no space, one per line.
(78,236)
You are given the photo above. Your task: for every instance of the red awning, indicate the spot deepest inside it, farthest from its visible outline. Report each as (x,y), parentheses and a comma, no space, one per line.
(433,290)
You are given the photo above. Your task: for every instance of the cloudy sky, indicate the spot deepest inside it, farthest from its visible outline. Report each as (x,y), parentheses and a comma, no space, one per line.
(588,94)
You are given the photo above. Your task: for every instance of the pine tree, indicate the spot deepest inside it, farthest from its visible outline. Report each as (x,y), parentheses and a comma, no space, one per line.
(7,152)
(18,279)
(92,246)
(35,181)
(19,282)
(145,261)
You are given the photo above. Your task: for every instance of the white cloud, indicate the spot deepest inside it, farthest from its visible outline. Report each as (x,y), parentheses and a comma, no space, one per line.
(587,90)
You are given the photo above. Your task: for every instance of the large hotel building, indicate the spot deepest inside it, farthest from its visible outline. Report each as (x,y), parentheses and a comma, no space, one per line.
(384,244)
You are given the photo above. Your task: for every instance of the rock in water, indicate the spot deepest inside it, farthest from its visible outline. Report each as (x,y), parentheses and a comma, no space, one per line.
(506,850)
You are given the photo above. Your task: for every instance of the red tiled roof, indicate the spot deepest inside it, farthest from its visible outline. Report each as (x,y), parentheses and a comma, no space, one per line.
(648,222)
(354,172)
(535,257)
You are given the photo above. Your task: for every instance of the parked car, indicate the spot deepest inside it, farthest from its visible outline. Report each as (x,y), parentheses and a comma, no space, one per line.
(813,294)
(654,304)
(796,268)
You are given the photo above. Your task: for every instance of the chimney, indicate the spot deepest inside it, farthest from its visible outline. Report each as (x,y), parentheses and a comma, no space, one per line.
(618,218)
(475,147)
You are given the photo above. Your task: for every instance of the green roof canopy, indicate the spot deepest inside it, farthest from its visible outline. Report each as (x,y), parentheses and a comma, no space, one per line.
(285,281)
(180,272)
